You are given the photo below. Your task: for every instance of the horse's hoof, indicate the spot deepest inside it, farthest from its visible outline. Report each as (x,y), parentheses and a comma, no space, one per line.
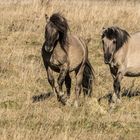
(118,101)
(63,99)
(76,104)
(61,93)
(112,107)
(69,103)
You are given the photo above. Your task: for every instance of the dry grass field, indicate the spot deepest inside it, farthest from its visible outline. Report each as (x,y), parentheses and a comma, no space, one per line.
(23,76)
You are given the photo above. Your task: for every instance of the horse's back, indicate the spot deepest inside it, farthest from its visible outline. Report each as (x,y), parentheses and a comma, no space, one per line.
(136,37)
(134,43)
(133,55)
(77,52)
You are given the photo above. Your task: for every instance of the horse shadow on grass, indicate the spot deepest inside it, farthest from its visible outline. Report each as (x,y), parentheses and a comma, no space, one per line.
(125,93)
(42,97)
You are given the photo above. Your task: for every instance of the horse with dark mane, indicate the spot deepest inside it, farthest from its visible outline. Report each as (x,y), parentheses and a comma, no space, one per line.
(121,53)
(64,53)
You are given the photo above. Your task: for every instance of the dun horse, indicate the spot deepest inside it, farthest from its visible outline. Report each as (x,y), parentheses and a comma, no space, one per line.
(121,53)
(64,53)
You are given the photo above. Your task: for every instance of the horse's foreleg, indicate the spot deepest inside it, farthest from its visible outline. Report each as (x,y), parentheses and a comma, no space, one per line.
(51,79)
(60,81)
(117,87)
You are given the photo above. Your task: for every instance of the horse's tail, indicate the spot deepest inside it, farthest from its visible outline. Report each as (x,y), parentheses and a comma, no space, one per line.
(88,79)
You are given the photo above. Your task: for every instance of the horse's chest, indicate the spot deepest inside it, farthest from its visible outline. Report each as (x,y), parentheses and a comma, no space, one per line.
(57,60)
(53,63)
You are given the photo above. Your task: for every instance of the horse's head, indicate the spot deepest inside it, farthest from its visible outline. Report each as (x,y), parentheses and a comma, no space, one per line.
(113,39)
(51,35)
(55,30)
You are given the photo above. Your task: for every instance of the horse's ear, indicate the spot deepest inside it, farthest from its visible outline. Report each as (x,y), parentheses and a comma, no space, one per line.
(102,31)
(103,28)
(46,17)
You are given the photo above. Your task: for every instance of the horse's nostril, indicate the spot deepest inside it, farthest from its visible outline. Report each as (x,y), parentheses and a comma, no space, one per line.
(46,48)
(106,57)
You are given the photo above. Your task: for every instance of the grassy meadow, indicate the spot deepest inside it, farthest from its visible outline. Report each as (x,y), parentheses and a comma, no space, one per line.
(23,76)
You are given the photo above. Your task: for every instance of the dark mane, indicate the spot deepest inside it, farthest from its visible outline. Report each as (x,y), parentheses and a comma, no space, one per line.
(117,33)
(62,26)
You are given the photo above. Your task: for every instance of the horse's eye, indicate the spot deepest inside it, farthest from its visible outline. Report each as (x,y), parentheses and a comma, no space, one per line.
(114,41)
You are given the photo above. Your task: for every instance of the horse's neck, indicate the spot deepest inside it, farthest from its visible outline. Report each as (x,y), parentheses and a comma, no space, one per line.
(59,52)
(134,47)
(121,55)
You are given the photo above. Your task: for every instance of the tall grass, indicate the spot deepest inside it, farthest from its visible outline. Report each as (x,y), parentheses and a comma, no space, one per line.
(22,74)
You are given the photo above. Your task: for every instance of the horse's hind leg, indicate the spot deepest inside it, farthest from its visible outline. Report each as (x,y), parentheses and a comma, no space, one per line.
(68,84)
(79,78)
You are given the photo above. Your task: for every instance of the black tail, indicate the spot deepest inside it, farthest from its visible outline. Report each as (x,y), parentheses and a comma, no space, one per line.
(88,79)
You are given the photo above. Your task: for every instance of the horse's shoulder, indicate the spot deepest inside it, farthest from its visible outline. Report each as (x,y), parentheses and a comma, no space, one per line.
(73,39)
(135,39)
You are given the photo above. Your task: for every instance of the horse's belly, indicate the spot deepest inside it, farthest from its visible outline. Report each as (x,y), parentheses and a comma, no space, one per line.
(133,71)
(75,61)
(133,64)
(133,60)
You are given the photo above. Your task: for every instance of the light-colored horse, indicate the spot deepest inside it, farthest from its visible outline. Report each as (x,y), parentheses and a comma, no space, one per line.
(64,53)
(122,54)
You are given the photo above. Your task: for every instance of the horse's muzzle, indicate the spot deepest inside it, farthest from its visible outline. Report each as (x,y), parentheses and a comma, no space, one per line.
(106,62)
(107,58)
